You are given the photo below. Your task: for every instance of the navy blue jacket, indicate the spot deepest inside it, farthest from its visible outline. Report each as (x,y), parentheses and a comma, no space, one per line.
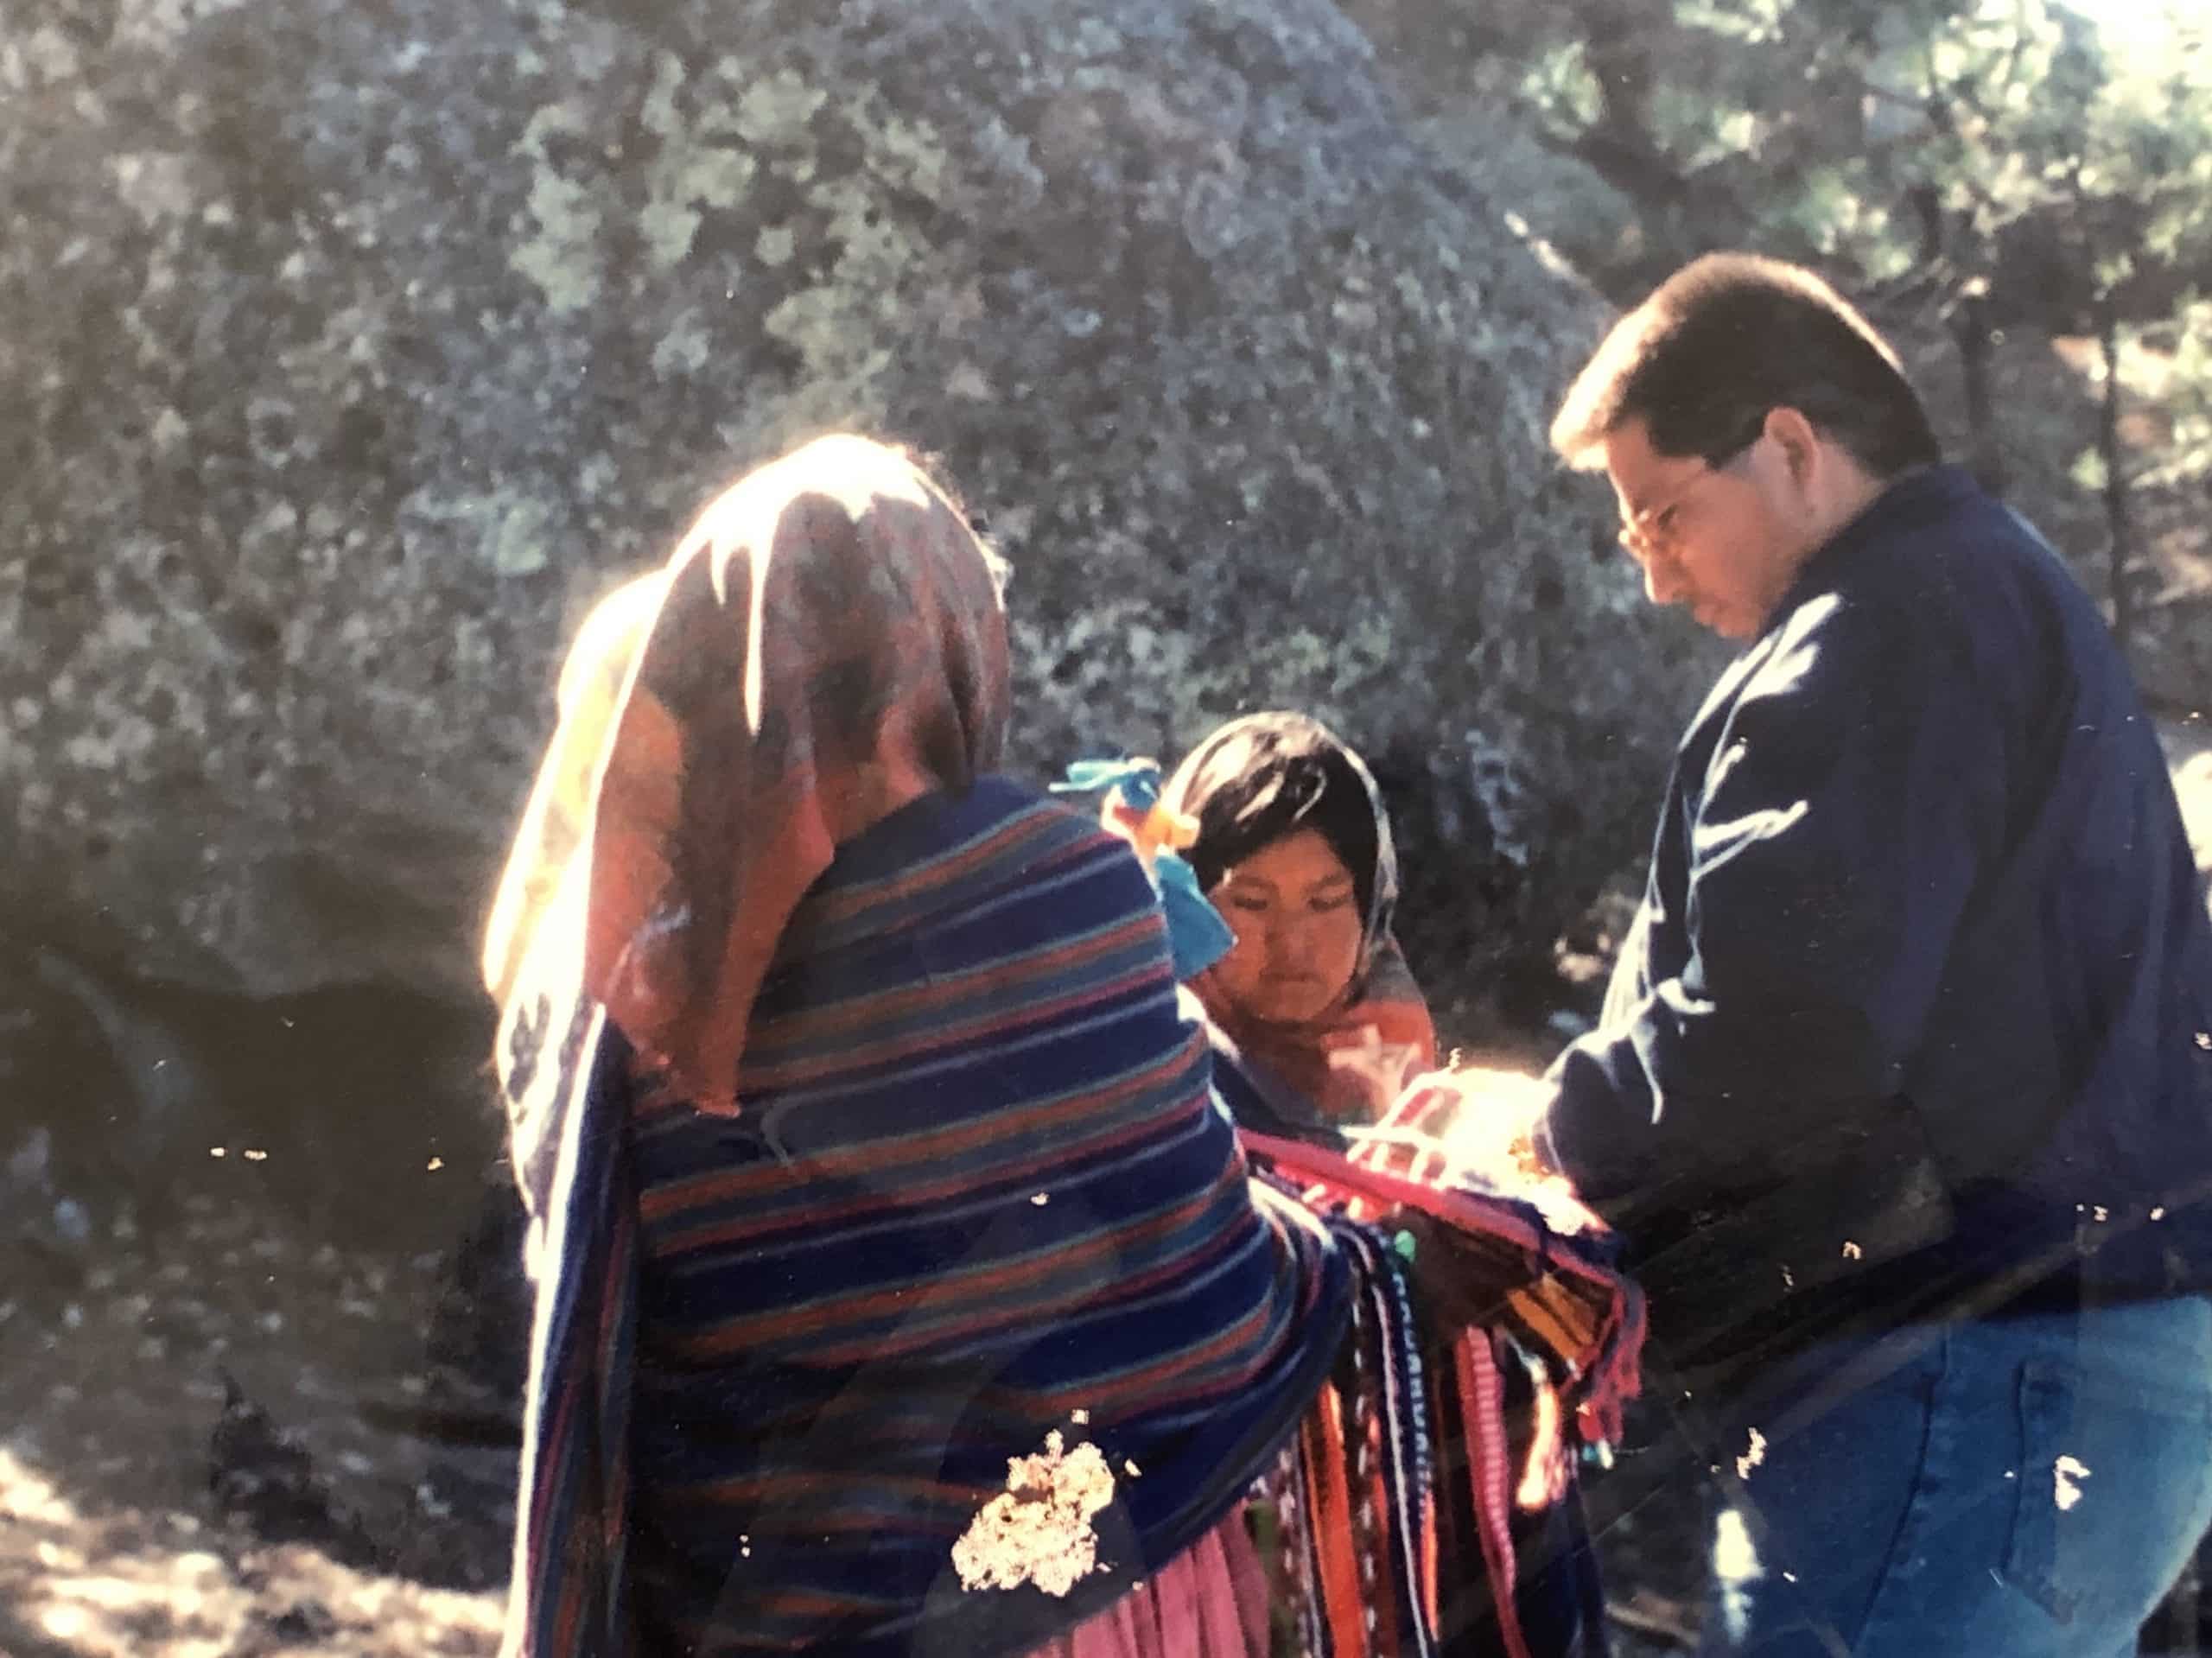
(1916,1019)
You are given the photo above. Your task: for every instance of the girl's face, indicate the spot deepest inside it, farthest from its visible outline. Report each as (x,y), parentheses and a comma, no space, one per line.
(1296,916)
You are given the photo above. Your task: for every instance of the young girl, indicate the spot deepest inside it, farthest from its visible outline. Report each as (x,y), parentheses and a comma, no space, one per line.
(1323,1021)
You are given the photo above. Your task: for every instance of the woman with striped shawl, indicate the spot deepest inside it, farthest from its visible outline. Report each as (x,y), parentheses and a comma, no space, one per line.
(900,1286)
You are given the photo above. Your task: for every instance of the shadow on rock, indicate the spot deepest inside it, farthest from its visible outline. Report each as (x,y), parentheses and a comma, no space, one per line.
(360,1111)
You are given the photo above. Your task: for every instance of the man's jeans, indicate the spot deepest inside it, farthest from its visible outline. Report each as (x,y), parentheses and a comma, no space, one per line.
(2028,1489)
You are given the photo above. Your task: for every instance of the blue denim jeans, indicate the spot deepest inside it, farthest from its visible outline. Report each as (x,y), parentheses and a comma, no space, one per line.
(2023,1489)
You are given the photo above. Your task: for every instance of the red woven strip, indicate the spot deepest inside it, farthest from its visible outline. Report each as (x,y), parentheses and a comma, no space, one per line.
(1619,1332)
(1296,1160)
(1335,1543)
(1482,1419)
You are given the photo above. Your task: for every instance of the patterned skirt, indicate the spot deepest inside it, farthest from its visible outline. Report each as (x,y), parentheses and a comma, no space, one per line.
(1211,1601)
(1426,1504)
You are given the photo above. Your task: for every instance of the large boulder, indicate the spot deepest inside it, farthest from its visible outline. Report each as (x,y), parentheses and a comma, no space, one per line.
(355,347)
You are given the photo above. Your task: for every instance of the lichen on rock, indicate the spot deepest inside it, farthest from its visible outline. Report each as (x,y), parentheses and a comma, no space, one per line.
(356,351)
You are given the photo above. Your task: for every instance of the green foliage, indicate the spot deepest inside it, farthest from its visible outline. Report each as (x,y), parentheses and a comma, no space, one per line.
(2088,472)
(1894,136)
(2187,460)
(1559,82)
(2001,165)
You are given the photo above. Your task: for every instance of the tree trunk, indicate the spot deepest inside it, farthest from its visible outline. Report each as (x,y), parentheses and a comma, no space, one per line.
(2121,539)
(1970,328)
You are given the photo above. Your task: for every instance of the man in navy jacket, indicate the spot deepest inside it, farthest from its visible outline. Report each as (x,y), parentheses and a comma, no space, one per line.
(1903,1093)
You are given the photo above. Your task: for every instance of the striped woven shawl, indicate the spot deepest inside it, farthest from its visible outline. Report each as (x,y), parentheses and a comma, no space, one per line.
(977,1191)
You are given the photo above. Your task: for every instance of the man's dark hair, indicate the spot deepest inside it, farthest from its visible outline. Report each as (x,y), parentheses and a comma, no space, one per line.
(1729,337)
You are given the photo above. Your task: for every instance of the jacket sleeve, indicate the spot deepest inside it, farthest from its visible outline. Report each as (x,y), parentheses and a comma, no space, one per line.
(1853,794)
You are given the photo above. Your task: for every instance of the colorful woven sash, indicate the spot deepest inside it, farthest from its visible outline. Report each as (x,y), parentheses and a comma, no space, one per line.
(1405,1472)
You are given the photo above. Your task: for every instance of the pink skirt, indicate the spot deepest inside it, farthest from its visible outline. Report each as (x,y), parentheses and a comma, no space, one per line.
(1211,1601)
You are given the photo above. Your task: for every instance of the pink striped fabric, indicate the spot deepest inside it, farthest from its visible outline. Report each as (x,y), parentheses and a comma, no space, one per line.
(1481,1395)
(1211,1601)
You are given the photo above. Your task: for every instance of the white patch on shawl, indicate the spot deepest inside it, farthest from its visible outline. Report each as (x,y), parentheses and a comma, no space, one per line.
(2066,1474)
(1038,1530)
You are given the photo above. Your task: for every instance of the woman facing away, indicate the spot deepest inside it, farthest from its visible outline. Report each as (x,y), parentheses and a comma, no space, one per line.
(900,1286)
(1324,1023)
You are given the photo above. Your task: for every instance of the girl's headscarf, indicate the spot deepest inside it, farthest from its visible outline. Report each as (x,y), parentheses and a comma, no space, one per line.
(824,646)
(1252,783)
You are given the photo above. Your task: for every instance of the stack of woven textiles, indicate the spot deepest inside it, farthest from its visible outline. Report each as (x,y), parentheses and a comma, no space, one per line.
(1489,1345)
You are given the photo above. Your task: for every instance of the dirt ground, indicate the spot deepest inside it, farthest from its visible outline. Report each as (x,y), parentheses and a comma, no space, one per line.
(143,1511)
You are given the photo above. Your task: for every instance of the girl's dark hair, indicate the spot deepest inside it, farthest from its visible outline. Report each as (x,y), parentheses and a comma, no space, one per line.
(1259,779)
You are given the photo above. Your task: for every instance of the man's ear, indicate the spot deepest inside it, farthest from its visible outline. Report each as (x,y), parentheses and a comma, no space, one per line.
(1798,439)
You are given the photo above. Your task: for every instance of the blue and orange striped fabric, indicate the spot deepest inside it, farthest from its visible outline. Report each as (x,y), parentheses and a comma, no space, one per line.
(978,1190)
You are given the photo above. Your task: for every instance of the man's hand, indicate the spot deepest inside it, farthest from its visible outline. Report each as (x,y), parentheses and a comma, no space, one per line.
(1478,1120)
(1476,1128)
(1495,1127)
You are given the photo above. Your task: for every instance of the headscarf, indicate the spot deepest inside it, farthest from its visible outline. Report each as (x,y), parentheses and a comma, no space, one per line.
(1250,784)
(825,646)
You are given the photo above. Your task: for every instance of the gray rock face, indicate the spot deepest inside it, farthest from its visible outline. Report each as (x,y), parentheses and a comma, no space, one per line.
(354,347)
